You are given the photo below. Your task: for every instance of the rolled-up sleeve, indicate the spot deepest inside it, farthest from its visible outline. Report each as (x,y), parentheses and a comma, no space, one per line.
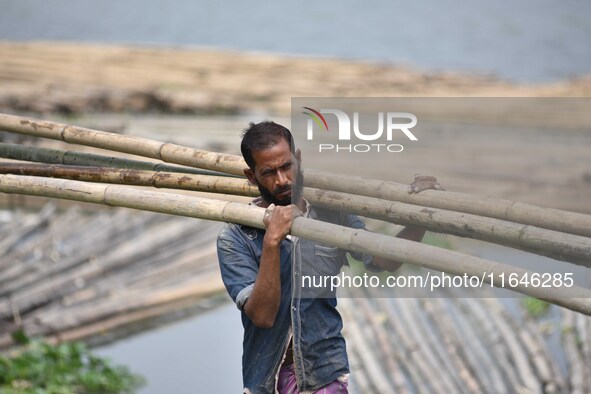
(237,264)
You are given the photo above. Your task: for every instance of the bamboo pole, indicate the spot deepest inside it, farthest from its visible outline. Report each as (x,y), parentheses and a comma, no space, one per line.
(383,349)
(468,345)
(12,275)
(377,377)
(361,383)
(68,157)
(159,179)
(155,307)
(559,220)
(145,147)
(514,211)
(452,345)
(420,350)
(574,358)
(575,298)
(67,281)
(424,332)
(494,341)
(105,237)
(583,325)
(565,247)
(476,340)
(561,246)
(539,360)
(96,294)
(517,352)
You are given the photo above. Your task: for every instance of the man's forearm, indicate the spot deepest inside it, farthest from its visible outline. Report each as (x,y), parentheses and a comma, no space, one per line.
(263,303)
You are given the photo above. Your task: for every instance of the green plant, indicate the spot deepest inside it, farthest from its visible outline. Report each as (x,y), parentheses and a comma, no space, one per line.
(66,368)
(534,307)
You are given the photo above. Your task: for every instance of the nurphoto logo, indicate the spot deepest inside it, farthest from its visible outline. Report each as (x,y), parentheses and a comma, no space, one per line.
(396,124)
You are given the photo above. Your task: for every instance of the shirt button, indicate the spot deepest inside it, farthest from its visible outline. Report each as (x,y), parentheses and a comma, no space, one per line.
(293,308)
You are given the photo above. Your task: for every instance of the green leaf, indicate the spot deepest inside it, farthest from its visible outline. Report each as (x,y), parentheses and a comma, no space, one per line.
(20,338)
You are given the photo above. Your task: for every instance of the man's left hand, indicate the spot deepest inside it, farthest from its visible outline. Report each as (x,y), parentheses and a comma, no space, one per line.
(424,182)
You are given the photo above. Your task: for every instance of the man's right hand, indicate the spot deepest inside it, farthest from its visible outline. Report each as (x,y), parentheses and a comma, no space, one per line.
(278,220)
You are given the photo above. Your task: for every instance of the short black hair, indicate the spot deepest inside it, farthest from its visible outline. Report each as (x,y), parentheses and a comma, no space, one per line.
(261,136)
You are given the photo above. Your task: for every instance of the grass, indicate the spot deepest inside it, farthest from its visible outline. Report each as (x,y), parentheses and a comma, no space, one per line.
(534,307)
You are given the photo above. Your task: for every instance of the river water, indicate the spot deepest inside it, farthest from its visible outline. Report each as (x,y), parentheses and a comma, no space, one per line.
(201,354)
(519,40)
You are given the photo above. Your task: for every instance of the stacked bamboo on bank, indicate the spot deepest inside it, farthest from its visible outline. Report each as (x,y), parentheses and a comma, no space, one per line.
(460,344)
(83,274)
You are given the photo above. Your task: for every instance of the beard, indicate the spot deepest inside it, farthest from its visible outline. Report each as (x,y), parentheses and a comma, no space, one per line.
(297,189)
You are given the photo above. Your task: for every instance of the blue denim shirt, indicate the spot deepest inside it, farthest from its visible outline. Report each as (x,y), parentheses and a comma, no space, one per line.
(319,351)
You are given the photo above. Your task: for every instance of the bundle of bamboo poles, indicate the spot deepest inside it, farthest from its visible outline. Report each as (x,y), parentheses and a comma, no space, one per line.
(550,232)
(453,344)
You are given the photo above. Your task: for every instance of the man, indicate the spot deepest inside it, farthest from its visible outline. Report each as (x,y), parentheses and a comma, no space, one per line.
(292,343)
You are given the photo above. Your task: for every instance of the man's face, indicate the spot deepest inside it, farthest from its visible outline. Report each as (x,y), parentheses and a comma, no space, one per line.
(277,174)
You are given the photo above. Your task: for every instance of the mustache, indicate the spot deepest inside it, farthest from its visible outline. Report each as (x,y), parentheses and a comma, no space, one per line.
(283,189)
